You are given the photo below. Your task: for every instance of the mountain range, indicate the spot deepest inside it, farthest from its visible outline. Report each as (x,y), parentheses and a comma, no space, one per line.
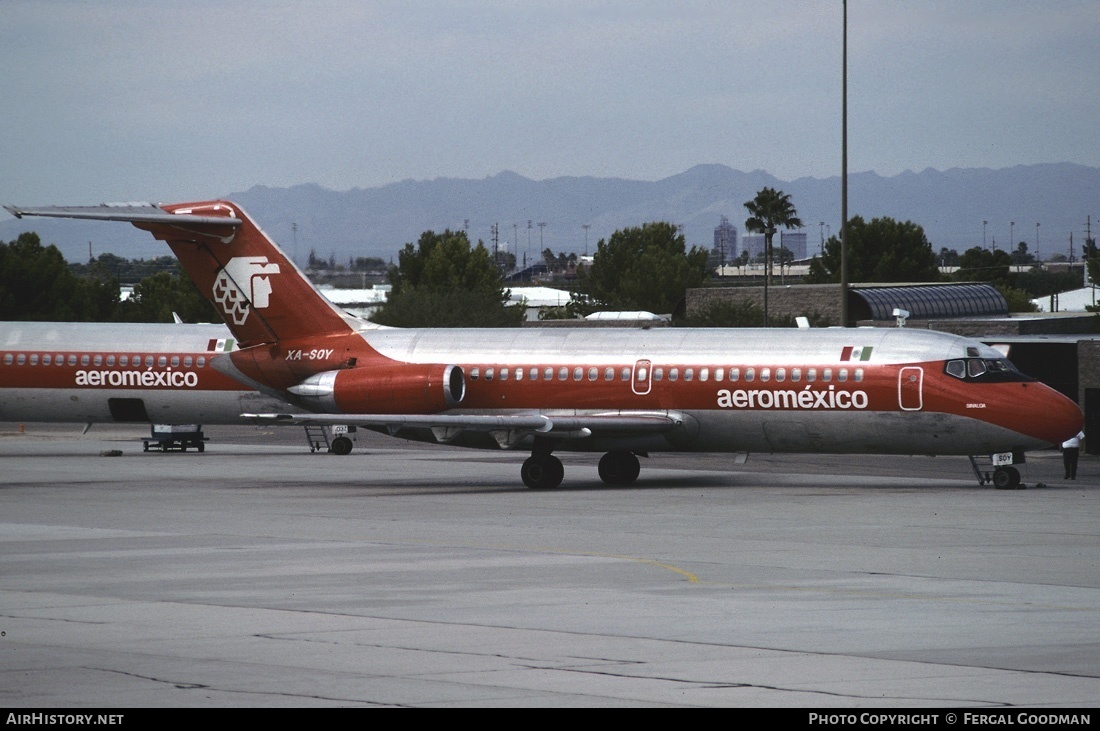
(950,205)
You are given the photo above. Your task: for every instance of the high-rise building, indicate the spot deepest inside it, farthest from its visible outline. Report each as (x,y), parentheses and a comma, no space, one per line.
(795,242)
(754,244)
(725,240)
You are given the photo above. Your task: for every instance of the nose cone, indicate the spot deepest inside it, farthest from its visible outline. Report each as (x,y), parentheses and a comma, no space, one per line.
(1049,416)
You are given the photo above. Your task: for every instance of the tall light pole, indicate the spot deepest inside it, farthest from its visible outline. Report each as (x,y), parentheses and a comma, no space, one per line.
(1011,234)
(586,226)
(1037,242)
(983,233)
(843,180)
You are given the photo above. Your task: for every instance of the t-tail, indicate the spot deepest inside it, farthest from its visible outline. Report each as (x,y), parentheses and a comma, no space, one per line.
(268,303)
(261,293)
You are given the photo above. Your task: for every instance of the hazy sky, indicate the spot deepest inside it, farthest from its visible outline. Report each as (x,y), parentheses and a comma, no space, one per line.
(151,100)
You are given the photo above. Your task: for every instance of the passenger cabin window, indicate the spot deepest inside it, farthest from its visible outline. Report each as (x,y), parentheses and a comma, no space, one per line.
(765,374)
(750,374)
(475,373)
(673,374)
(689,374)
(46,359)
(34,359)
(704,374)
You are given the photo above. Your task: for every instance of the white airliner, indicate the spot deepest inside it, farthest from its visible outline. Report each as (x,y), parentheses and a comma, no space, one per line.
(624,392)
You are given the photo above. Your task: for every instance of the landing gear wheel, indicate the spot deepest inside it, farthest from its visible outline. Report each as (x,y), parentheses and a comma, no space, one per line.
(542,473)
(341,446)
(1006,478)
(619,468)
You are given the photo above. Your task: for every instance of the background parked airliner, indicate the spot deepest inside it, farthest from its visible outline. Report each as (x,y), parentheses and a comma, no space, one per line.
(102,372)
(622,392)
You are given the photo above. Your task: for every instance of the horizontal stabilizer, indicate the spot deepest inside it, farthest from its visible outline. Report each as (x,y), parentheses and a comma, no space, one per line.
(131,212)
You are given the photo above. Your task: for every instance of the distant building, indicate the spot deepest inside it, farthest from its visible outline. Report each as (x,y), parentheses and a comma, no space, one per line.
(725,241)
(754,244)
(793,241)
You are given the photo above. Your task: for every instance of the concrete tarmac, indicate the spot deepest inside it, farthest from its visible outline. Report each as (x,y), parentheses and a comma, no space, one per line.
(259,574)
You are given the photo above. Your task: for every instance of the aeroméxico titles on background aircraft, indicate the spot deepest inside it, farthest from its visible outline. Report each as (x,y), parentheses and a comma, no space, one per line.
(625,392)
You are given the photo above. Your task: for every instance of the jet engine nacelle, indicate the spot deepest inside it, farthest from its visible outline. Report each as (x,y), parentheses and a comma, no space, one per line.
(391,389)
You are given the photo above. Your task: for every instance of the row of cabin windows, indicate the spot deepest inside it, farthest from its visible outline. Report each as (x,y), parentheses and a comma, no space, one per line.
(100,360)
(609,373)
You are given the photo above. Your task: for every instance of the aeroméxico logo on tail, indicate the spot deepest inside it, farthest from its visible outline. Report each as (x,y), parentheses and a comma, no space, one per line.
(244,283)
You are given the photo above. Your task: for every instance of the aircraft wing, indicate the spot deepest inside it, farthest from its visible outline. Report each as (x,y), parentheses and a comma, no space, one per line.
(560,426)
(132,212)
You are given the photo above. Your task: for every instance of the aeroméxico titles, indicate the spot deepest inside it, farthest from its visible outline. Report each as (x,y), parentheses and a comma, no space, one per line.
(624,392)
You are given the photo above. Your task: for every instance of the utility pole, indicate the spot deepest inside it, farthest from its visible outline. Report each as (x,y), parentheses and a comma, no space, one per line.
(843,181)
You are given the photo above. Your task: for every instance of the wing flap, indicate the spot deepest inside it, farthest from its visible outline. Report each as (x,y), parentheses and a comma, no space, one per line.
(564,427)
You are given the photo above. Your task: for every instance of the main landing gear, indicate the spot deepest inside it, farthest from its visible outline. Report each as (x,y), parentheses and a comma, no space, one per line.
(544,471)
(619,468)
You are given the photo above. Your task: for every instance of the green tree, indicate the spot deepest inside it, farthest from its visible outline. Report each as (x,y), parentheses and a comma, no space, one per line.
(769,211)
(642,268)
(1092,260)
(444,282)
(981,265)
(35,281)
(882,250)
(157,296)
(949,257)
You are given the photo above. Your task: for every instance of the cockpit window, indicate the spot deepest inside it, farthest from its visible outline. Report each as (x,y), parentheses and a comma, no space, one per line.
(984,370)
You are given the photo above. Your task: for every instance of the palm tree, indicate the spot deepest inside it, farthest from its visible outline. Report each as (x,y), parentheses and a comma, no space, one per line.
(769,210)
